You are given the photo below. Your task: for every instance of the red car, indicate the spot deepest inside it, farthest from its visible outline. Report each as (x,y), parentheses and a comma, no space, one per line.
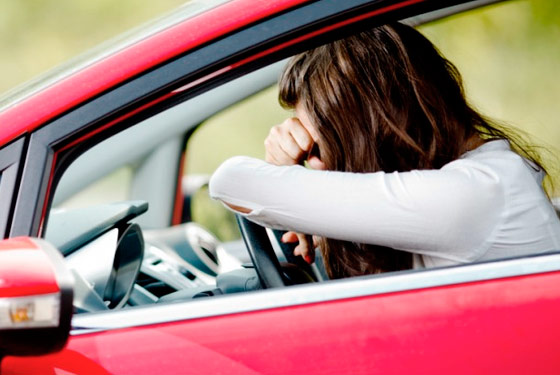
(136,287)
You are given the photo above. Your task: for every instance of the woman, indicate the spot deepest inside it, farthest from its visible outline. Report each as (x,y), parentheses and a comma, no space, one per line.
(403,172)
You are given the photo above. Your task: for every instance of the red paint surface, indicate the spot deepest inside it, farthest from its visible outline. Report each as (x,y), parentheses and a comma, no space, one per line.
(179,197)
(507,326)
(24,269)
(83,85)
(18,243)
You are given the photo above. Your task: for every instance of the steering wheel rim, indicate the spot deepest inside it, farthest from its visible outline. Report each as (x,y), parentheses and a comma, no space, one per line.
(288,251)
(262,254)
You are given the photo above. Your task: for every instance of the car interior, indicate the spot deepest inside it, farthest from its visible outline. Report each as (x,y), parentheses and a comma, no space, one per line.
(114,212)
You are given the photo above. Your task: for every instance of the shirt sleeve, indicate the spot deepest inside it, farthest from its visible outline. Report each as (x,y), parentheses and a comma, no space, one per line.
(448,213)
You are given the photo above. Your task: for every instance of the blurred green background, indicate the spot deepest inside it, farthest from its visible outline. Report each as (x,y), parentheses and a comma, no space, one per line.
(36,35)
(508,54)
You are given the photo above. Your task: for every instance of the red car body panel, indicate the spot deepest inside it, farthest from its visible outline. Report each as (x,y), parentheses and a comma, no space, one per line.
(60,97)
(497,326)
(23,271)
(464,329)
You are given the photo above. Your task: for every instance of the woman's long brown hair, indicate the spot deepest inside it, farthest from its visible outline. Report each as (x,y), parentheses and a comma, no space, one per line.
(383,100)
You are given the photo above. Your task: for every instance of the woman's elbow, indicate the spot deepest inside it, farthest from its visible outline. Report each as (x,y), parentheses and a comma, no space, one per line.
(228,182)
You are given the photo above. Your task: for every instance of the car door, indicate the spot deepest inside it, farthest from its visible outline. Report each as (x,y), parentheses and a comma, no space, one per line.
(505,322)
(490,317)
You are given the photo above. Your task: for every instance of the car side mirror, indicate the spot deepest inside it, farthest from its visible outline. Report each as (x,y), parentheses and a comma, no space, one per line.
(35,298)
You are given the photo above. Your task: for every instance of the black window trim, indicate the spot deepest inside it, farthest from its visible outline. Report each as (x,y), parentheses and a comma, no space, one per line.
(10,157)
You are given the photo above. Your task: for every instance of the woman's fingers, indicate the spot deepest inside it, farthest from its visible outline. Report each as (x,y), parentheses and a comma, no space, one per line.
(290,237)
(287,143)
(300,134)
(305,248)
(273,152)
(306,245)
(316,163)
(290,143)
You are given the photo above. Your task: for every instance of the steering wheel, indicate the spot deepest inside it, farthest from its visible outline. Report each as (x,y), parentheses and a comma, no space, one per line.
(271,273)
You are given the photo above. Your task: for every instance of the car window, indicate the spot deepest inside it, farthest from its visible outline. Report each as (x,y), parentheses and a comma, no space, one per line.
(113,187)
(131,179)
(238,130)
(481,43)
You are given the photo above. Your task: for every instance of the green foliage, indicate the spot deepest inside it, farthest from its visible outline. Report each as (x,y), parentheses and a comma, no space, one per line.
(238,130)
(36,35)
(508,55)
(214,217)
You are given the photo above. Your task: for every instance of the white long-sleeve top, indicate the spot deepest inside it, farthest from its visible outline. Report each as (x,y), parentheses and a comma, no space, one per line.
(488,204)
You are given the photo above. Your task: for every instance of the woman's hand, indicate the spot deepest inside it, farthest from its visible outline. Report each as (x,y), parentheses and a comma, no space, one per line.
(306,245)
(288,143)
(293,142)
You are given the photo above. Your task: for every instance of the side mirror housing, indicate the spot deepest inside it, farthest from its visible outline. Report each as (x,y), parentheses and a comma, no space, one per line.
(35,298)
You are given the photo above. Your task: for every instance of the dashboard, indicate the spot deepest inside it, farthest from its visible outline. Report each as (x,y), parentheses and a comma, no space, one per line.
(116,264)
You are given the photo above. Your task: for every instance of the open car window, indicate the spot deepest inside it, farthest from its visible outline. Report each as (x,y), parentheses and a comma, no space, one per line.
(237,130)
(173,153)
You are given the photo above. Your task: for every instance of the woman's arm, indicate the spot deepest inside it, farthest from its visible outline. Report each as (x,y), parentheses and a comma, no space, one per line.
(434,212)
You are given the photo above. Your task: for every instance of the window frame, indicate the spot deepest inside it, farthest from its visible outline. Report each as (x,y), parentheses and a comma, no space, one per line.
(52,148)
(10,157)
